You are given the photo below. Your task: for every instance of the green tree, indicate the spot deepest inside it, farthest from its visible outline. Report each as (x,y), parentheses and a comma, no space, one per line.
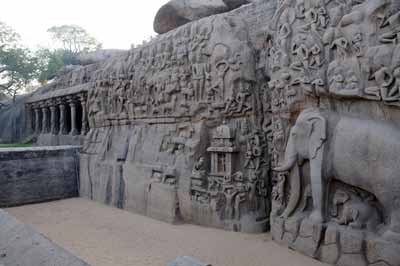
(8,37)
(74,39)
(71,41)
(18,65)
(52,61)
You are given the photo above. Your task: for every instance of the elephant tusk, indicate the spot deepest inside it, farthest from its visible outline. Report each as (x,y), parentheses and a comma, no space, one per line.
(295,194)
(287,165)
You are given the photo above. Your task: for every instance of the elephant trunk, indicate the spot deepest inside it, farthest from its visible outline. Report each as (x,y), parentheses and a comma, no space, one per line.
(290,157)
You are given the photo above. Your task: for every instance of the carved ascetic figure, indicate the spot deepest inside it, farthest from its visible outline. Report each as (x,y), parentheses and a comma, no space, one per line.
(357,152)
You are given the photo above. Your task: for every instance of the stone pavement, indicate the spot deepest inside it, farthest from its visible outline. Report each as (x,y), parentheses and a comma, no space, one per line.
(105,236)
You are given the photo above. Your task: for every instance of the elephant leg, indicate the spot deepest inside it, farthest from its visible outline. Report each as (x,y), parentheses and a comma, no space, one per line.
(318,189)
(393,233)
(317,194)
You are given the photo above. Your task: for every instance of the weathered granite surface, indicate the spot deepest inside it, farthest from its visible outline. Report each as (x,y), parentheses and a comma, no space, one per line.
(22,245)
(31,175)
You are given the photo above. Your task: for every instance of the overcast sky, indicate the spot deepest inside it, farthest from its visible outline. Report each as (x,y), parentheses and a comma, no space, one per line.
(115,23)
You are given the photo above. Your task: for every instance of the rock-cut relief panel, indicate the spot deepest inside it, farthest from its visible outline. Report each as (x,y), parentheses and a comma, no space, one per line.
(334,69)
(203,69)
(168,99)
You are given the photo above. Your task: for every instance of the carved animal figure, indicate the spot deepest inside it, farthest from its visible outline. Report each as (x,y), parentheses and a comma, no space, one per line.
(356,213)
(360,153)
(170,106)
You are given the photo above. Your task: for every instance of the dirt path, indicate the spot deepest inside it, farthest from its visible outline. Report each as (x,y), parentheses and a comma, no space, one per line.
(105,236)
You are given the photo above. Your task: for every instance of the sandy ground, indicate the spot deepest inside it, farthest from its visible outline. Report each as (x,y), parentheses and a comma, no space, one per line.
(105,236)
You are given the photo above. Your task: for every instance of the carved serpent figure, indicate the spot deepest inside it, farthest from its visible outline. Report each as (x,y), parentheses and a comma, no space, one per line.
(361,153)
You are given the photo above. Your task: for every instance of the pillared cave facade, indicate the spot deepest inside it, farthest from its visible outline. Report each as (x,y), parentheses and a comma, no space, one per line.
(278,115)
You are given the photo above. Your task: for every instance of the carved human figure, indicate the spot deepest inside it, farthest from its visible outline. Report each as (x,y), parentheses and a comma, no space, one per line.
(357,44)
(301,55)
(384,79)
(199,168)
(391,92)
(341,45)
(277,193)
(241,197)
(199,72)
(252,186)
(217,89)
(316,59)
(242,98)
(105,107)
(278,189)
(230,194)
(182,50)
(343,80)
(354,151)
(254,152)
(122,98)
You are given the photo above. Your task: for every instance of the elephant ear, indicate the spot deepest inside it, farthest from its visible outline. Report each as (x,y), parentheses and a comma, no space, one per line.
(317,134)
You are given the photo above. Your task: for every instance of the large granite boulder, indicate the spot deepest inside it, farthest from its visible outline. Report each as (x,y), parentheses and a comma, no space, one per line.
(179,12)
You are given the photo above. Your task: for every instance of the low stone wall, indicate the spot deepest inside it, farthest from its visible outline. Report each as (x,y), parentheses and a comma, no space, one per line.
(31,175)
(58,140)
(22,245)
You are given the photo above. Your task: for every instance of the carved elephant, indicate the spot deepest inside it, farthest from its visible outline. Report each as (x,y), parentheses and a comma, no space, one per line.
(360,153)
(356,213)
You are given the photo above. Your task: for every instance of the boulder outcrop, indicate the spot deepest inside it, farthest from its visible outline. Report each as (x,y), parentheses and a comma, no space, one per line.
(179,12)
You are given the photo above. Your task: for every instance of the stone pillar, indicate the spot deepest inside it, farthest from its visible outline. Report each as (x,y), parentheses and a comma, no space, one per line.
(29,121)
(72,105)
(44,119)
(53,119)
(37,120)
(62,125)
(84,128)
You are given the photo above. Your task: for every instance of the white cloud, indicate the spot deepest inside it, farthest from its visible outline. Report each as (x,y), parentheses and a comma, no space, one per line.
(115,23)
